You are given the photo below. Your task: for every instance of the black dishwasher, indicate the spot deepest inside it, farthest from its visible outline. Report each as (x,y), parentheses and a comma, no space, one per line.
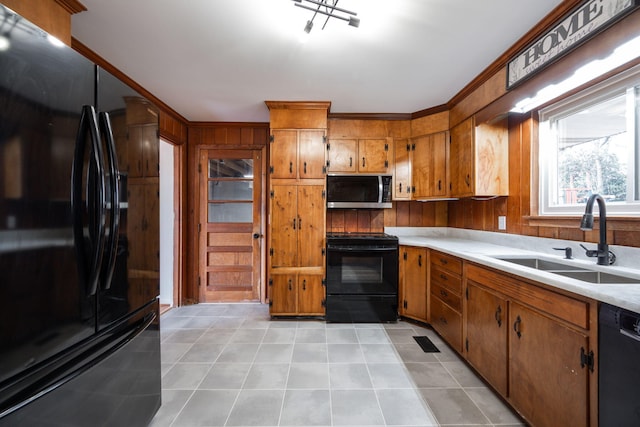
(619,367)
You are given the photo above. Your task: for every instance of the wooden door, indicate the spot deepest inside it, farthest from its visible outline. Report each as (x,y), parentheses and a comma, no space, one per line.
(284,151)
(373,155)
(547,383)
(283,293)
(311,225)
(421,167)
(284,225)
(415,283)
(438,177)
(230,225)
(311,154)
(461,159)
(402,170)
(343,155)
(487,332)
(310,294)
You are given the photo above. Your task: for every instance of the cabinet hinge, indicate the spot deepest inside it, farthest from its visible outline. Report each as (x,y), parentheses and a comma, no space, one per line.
(386,147)
(408,147)
(270,303)
(404,256)
(404,304)
(324,282)
(324,302)
(413,147)
(270,169)
(386,163)
(328,146)
(413,189)
(328,164)
(587,359)
(324,194)
(271,138)
(270,251)
(324,170)
(270,282)
(271,194)
(324,251)
(324,139)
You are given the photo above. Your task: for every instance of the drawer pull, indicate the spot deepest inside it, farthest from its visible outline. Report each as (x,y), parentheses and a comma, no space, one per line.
(516,327)
(444,293)
(498,316)
(443,261)
(443,277)
(443,320)
(420,260)
(290,285)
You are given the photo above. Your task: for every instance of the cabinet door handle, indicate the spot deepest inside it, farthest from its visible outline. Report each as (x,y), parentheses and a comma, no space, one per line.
(498,316)
(444,293)
(400,187)
(363,162)
(516,326)
(304,285)
(443,320)
(290,285)
(419,260)
(299,223)
(290,167)
(467,180)
(294,223)
(443,261)
(305,167)
(439,184)
(350,162)
(443,277)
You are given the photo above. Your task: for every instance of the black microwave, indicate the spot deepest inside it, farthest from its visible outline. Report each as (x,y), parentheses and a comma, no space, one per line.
(358,191)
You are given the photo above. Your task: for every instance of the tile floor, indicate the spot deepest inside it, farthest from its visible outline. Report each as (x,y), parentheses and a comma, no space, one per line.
(230,365)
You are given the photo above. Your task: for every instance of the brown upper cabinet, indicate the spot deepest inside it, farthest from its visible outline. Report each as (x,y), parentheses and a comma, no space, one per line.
(402,169)
(297,154)
(429,166)
(360,155)
(479,159)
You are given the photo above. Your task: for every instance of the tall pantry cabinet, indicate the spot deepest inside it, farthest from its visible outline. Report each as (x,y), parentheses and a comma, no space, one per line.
(297,199)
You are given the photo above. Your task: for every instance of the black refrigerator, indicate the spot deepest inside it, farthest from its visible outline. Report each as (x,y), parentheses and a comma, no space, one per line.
(79,320)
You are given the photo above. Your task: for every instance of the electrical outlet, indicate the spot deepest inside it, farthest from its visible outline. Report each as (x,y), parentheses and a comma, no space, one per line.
(502,222)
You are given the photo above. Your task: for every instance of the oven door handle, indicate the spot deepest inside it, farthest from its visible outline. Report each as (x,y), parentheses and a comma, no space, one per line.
(360,248)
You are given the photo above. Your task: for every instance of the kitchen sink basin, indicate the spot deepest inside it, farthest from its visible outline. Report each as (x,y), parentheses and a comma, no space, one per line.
(574,272)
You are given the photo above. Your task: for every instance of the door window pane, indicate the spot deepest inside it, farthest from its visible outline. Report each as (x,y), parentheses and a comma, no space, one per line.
(230,212)
(231,190)
(230,168)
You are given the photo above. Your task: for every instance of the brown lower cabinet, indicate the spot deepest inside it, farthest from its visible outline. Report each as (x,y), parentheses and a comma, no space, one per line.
(296,293)
(534,344)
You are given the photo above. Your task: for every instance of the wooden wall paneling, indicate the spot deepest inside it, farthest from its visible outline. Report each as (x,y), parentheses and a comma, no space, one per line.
(402,214)
(364,221)
(298,115)
(493,88)
(377,220)
(389,216)
(52,16)
(172,129)
(350,221)
(437,122)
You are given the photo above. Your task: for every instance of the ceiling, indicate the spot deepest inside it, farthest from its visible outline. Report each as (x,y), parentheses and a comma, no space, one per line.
(219,60)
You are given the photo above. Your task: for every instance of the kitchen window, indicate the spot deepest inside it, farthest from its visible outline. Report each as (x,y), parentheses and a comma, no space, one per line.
(590,143)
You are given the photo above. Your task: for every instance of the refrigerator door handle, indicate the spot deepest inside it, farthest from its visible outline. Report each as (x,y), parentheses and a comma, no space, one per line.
(89,268)
(114,212)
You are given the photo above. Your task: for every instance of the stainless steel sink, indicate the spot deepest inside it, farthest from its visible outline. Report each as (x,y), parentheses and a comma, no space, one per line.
(574,272)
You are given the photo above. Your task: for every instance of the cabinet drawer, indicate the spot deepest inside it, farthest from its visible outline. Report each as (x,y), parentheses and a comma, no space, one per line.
(447,322)
(445,294)
(446,279)
(447,262)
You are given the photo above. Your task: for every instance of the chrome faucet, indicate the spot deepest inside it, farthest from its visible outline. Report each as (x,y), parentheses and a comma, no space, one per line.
(605,256)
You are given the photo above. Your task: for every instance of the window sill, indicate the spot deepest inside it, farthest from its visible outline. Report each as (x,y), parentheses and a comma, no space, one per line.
(613,222)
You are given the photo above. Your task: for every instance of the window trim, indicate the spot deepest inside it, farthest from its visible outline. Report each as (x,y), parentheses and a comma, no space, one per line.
(602,91)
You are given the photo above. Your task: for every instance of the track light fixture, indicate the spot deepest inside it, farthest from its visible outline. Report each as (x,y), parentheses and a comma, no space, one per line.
(329,9)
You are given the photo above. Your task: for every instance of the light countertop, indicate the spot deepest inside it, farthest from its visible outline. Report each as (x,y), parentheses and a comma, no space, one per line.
(486,247)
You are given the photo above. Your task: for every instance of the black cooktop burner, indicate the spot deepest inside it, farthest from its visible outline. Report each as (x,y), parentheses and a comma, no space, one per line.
(361,239)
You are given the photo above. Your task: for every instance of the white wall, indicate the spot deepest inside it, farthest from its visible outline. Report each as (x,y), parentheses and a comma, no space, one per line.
(166,223)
